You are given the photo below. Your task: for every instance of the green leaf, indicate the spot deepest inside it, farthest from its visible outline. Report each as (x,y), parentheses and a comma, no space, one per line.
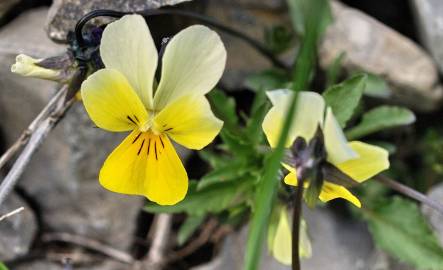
(301,10)
(399,228)
(3,267)
(345,97)
(333,70)
(254,124)
(188,228)
(224,108)
(381,118)
(212,199)
(268,80)
(214,159)
(278,38)
(377,87)
(229,171)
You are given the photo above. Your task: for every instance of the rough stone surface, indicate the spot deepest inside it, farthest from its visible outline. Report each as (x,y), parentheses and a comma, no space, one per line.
(373,47)
(45,265)
(62,176)
(64,14)
(251,17)
(429,17)
(434,217)
(18,231)
(336,245)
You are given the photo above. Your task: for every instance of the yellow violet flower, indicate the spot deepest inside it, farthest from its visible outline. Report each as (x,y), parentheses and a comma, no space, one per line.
(122,97)
(28,67)
(358,160)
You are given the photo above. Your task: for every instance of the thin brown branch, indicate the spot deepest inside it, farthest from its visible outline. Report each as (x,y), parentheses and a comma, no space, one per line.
(26,134)
(91,244)
(10,214)
(43,128)
(409,192)
(202,239)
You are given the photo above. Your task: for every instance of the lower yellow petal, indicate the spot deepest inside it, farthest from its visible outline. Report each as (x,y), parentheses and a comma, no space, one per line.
(146,164)
(189,121)
(371,161)
(167,178)
(332,191)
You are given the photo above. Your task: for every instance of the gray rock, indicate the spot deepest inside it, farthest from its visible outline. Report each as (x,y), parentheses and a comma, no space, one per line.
(336,245)
(62,176)
(106,264)
(252,17)
(18,231)
(435,218)
(64,14)
(429,17)
(373,47)
(6,5)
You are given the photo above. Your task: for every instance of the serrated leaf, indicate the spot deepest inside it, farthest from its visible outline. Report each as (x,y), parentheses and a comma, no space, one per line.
(377,87)
(381,118)
(254,124)
(224,108)
(213,199)
(399,228)
(268,80)
(343,98)
(213,158)
(229,171)
(188,228)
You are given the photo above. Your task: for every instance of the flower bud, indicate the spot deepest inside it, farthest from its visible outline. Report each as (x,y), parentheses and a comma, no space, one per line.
(28,66)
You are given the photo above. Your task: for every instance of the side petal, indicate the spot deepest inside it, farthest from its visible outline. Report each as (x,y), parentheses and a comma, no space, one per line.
(291,177)
(332,191)
(193,63)
(308,115)
(189,121)
(146,164)
(111,103)
(127,46)
(371,161)
(335,141)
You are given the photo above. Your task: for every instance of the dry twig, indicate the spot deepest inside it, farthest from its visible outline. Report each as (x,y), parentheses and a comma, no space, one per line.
(90,244)
(10,214)
(39,130)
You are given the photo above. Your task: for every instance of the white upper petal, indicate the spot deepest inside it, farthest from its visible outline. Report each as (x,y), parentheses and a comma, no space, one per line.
(127,46)
(308,116)
(193,63)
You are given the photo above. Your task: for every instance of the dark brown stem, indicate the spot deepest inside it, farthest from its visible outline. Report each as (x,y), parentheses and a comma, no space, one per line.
(411,193)
(296,219)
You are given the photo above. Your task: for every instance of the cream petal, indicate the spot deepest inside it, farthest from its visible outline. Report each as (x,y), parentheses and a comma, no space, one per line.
(335,141)
(192,64)
(127,46)
(308,115)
